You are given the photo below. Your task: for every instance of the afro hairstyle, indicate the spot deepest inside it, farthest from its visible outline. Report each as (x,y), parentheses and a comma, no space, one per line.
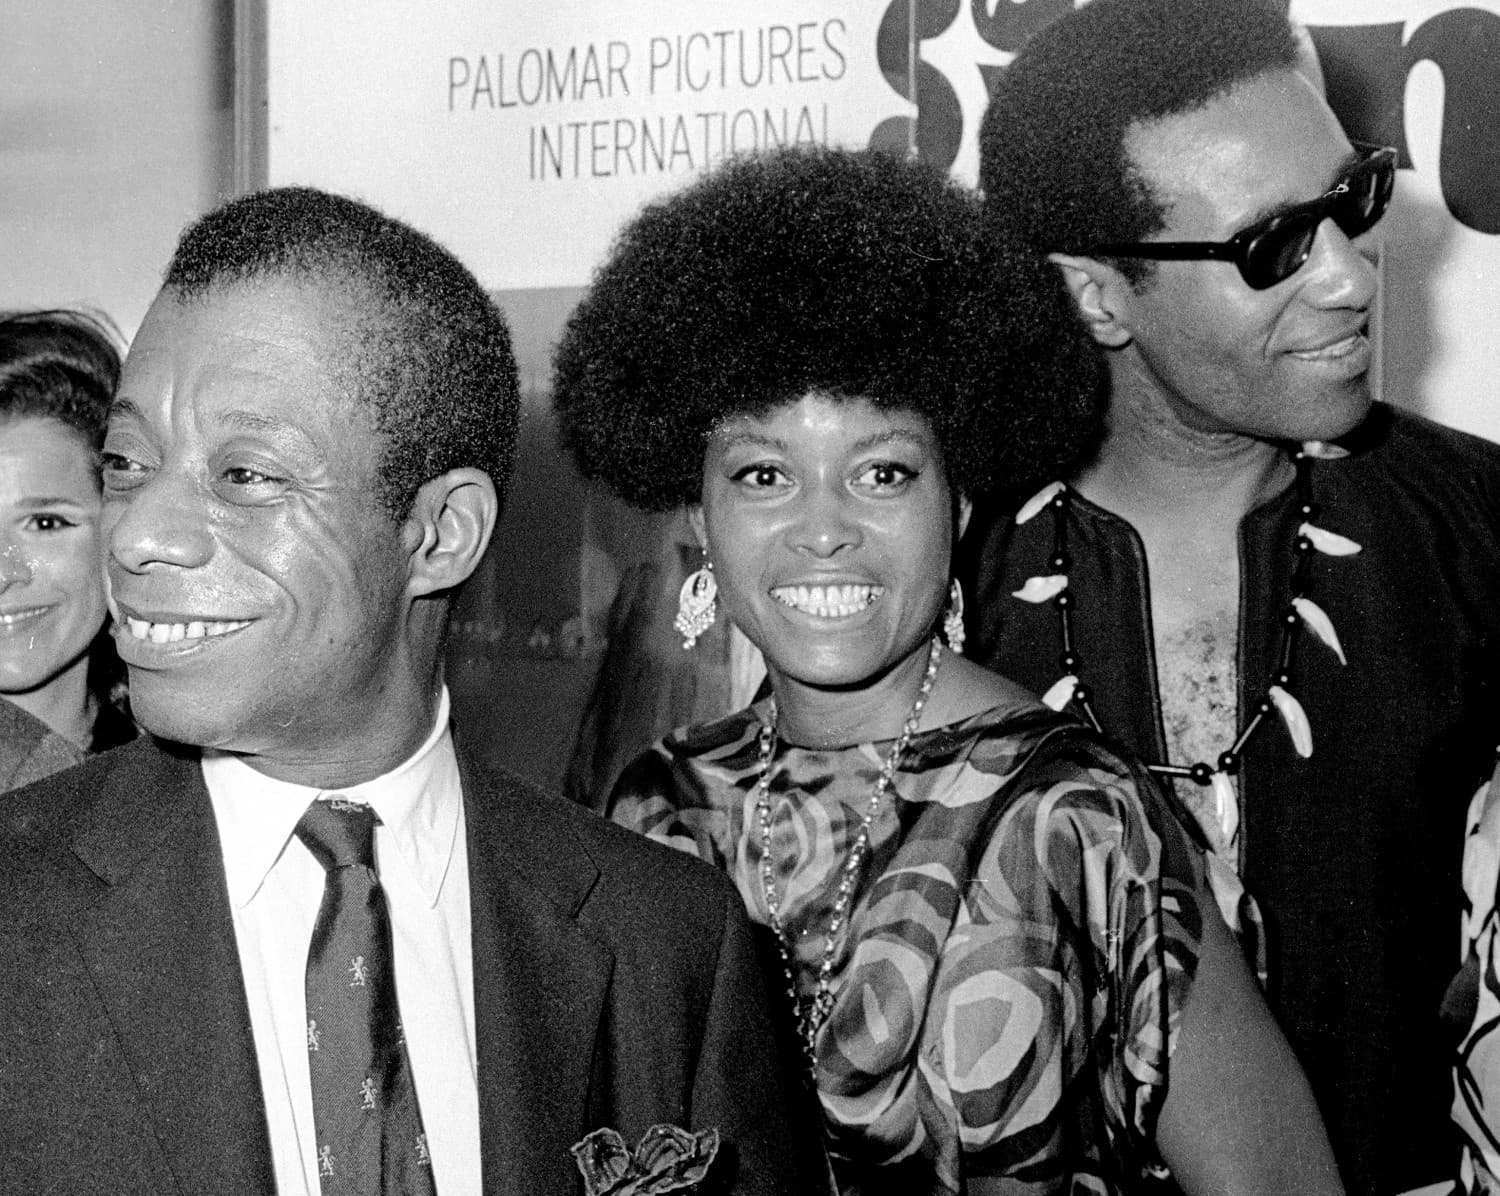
(1053,158)
(850,274)
(61,365)
(428,350)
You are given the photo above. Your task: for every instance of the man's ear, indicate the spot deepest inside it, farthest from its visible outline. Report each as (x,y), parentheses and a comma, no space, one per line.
(1098,293)
(448,529)
(965,509)
(699,526)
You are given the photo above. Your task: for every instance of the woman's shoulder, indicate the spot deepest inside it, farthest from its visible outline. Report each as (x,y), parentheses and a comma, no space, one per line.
(693,768)
(1012,739)
(1047,770)
(721,740)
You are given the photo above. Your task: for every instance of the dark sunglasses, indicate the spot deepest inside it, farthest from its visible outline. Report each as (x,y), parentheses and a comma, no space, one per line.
(1272,250)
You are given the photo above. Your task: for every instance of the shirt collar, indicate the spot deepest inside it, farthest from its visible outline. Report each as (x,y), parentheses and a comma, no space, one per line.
(419,803)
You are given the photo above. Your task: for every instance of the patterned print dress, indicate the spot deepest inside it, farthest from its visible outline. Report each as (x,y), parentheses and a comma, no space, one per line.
(1021,944)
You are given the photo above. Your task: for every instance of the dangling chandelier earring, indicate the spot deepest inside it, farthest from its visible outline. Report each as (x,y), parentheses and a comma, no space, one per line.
(953,618)
(696,604)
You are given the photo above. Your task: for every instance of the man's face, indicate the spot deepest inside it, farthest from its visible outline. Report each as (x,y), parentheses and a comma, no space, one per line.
(1286,363)
(258,589)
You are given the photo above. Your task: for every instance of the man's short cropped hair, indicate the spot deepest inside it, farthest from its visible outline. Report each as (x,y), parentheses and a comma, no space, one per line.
(430,352)
(1052,146)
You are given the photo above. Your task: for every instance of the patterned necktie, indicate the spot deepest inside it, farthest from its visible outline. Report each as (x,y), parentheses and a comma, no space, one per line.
(370,1139)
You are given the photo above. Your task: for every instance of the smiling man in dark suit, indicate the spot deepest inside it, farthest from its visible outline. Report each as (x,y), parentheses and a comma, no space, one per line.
(296,941)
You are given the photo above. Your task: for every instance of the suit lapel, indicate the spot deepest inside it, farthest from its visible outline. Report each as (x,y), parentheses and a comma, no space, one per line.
(160,946)
(540,980)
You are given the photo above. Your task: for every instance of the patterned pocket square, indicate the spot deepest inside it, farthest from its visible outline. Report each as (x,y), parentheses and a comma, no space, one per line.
(667,1159)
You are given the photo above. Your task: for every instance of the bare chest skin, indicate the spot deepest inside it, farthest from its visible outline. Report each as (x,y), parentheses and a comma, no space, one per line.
(1185,491)
(1194,612)
(1194,616)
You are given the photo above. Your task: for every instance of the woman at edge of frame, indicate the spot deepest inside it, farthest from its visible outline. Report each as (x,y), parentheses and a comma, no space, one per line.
(62,687)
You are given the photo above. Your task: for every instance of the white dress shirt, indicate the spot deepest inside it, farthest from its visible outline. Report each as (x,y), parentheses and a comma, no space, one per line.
(275,888)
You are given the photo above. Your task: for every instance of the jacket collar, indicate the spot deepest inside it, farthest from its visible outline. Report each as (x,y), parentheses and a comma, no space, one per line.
(541,979)
(159,943)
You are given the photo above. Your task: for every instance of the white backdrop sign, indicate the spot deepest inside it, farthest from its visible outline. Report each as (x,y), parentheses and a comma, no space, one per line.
(523,134)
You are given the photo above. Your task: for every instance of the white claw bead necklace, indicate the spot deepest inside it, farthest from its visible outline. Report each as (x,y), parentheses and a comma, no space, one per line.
(813,1012)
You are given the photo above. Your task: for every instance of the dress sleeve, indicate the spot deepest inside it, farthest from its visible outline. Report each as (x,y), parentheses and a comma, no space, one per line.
(1084,903)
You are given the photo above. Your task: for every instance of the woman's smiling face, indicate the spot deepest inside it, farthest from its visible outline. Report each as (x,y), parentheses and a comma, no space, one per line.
(51,591)
(830,525)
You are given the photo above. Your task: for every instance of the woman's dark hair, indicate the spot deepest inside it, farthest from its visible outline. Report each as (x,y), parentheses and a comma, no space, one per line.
(61,365)
(64,365)
(848,274)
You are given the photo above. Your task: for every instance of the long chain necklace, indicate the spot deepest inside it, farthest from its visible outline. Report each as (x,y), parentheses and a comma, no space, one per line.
(812,1012)
(1277,696)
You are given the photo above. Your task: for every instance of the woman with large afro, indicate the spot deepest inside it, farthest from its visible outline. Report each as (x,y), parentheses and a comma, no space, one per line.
(1000,958)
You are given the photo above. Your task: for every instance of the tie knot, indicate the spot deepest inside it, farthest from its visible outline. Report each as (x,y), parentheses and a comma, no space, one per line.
(339,833)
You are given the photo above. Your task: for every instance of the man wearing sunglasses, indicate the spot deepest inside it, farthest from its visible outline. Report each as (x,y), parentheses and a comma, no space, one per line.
(1284,598)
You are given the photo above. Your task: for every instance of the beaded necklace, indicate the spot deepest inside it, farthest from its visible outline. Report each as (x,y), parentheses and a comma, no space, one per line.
(1277,697)
(812,1012)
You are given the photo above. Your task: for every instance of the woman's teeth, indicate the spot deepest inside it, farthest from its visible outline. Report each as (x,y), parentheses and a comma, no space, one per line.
(827,602)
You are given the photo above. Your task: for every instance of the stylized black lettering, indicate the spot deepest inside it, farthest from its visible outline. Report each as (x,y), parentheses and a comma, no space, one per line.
(1009,25)
(1464,43)
(940,119)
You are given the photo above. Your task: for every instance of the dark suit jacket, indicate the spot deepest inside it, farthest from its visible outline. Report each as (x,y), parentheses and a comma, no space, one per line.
(615,985)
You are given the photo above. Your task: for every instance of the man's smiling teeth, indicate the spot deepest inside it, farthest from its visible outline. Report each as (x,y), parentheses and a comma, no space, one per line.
(827,602)
(170,633)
